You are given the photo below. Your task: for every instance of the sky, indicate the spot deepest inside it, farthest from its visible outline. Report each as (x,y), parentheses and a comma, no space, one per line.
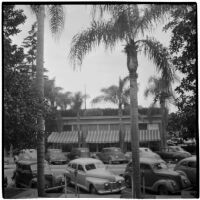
(100,68)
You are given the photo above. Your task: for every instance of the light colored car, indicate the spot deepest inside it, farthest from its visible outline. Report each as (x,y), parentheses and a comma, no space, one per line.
(144,152)
(92,175)
(188,167)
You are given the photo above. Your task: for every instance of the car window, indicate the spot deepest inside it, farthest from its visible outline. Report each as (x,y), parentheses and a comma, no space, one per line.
(74,165)
(192,164)
(80,168)
(90,166)
(145,167)
(184,163)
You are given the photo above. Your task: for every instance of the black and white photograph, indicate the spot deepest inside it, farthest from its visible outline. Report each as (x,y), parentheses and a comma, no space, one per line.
(100,100)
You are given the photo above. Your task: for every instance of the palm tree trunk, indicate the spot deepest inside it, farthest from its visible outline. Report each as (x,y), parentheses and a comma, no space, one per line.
(121,135)
(163,134)
(132,64)
(78,127)
(40,90)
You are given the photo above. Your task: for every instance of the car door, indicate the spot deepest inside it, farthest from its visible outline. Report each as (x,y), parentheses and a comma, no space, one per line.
(81,176)
(191,171)
(25,174)
(147,173)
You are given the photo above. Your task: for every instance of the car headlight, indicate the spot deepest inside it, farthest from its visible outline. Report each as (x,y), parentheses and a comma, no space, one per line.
(106,186)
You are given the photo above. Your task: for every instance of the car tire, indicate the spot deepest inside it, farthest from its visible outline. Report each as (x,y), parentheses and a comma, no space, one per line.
(162,190)
(110,161)
(93,189)
(127,181)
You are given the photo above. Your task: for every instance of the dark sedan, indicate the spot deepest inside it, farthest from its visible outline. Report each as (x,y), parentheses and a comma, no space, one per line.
(173,153)
(188,167)
(112,155)
(25,175)
(157,177)
(58,158)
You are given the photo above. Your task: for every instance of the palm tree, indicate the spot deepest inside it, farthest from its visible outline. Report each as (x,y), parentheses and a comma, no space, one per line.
(127,23)
(77,101)
(56,16)
(118,95)
(162,92)
(64,100)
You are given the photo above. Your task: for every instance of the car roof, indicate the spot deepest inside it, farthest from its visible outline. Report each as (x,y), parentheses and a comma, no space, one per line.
(111,148)
(149,160)
(27,162)
(192,158)
(84,160)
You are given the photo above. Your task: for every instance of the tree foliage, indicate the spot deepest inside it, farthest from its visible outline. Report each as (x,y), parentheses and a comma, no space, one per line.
(183,47)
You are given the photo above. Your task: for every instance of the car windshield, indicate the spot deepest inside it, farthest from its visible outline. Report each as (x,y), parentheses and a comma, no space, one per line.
(159,166)
(92,166)
(113,150)
(178,149)
(57,155)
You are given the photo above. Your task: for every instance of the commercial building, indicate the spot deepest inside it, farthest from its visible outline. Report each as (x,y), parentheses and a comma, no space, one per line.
(97,132)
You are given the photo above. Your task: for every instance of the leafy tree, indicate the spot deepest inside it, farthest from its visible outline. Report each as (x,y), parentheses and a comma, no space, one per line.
(19,99)
(183,47)
(128,23)
(64,100)
(56,18)
(162,92)
(118,95)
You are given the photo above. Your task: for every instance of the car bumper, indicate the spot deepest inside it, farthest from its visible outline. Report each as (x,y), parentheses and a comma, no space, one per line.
(111,190)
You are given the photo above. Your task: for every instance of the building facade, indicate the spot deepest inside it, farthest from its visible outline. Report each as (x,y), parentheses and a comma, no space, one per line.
(96,132)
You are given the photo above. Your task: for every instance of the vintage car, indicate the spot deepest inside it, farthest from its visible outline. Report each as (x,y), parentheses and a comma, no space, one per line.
(92,175)
(58,158)
(112,155)
(25,175)
(157,177)
(79,153)
(144,152)
(188,167)
(173,153)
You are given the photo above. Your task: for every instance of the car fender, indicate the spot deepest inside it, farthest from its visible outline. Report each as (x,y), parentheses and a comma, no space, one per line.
(94,181)
(163,182)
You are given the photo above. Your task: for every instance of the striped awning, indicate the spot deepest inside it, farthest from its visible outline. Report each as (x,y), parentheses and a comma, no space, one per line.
(144,135)
(111,136)
(63,137)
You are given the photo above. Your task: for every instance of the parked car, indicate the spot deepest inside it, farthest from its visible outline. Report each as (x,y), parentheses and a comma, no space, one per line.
(92,175)
(188,167)
(56,158)
(144,152)
(158,177)
(5,183)
(25,175)
(79,153)
(173,153)
(112,155)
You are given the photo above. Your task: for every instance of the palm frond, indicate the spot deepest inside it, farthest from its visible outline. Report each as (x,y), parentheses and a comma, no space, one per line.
(56,19)
(152,14)
(156,52)
(107,33)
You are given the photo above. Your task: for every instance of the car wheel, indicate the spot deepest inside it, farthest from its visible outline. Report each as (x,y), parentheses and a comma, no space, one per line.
(110,161)
(162,190)
(128,181)
(93,190)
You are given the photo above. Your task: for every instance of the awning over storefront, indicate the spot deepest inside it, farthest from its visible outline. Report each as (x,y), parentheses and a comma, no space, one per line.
(102,136)
(111,136)
(144,135)
(63,137)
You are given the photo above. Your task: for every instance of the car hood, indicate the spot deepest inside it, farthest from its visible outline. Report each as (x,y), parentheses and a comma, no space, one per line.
(167,172)
(102,173)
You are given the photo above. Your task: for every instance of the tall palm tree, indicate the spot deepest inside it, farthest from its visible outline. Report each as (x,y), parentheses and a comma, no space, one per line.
(162,92)
(64,100)
(118,95)
(56,17)
(127,23)
(77,101)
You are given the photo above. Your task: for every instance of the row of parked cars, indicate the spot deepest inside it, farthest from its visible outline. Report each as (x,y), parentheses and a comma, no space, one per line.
(90,171)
